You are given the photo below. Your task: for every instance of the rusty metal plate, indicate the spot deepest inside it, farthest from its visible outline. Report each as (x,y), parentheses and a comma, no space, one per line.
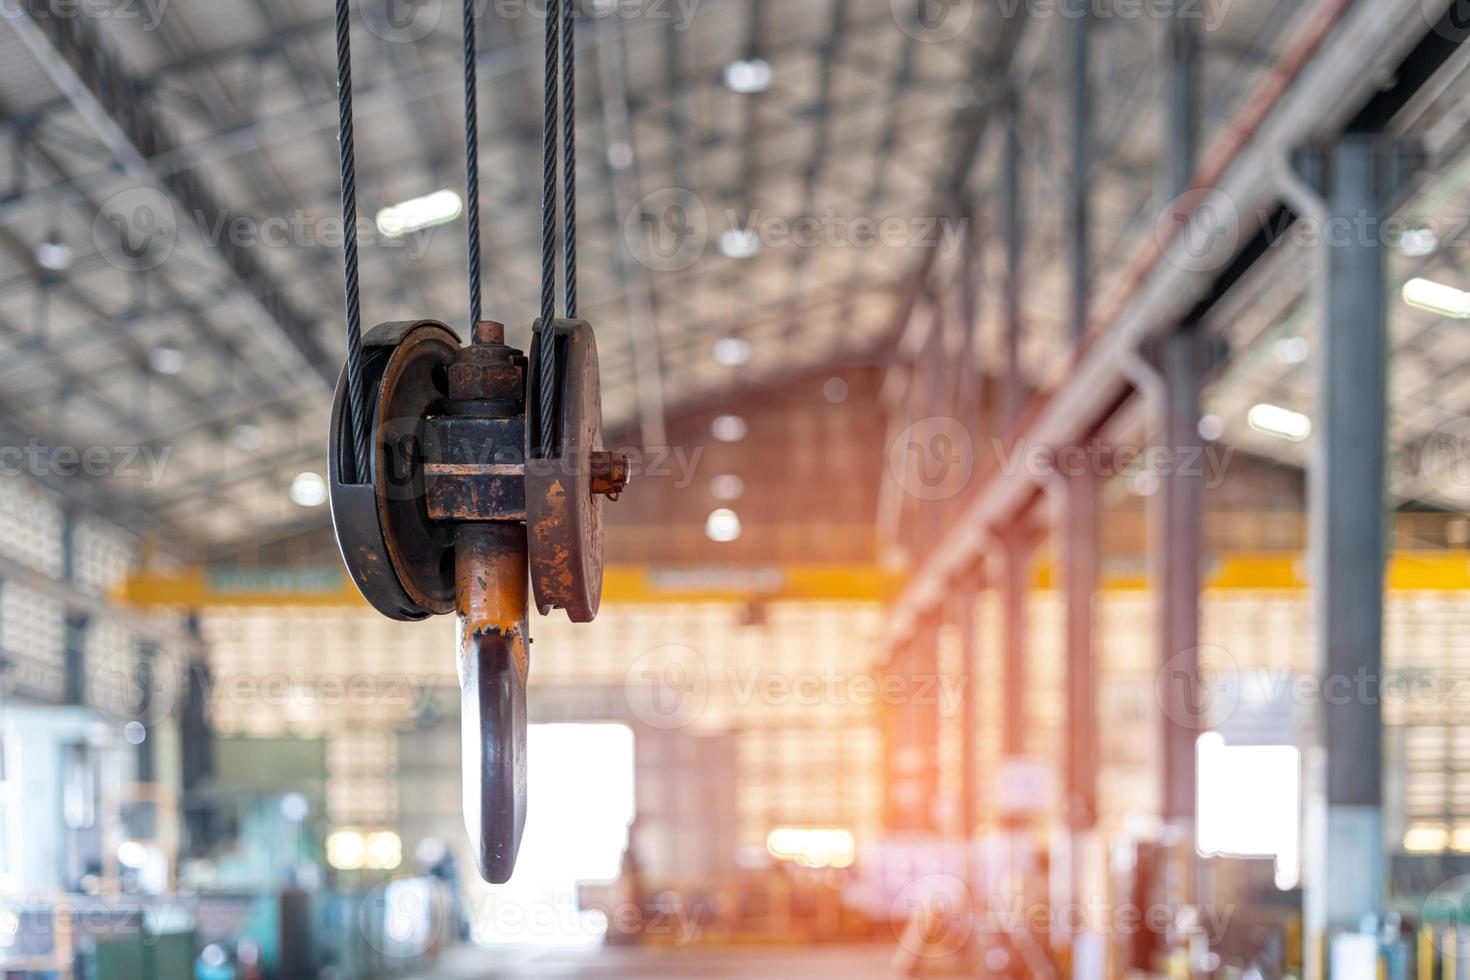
(401,560)
(563,515)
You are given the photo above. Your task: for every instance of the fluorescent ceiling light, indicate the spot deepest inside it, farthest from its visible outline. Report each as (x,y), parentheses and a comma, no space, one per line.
(620,155)
(438,208)
(732,351)
(54,255)
(1436,297)
(740,243)
(723,526)
(1293,350)
(166,360)
(728,487)
(1419,243)
(728,428)
(308,490)
(748,77)
(248,437)
(1283,423)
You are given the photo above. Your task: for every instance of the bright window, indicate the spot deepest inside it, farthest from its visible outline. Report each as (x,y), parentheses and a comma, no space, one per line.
(1250,803)
(581,803)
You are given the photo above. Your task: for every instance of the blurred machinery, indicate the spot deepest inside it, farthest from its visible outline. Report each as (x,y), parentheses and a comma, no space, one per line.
(95,849)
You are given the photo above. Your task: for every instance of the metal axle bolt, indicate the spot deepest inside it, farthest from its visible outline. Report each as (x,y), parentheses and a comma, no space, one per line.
(489,332)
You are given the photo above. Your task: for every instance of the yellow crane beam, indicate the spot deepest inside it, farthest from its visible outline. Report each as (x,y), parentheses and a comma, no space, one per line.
(1408,571)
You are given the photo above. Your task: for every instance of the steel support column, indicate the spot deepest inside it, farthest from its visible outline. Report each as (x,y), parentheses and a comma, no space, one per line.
(1074,858)
(145,677)
(966,609)
(1082,561)
(914,739)
(1014,206)
(1183,108)
(74,651)
(1081,190)
(1178,545)
(1348,551)
(924,675)
(1177,540)
(196,729)
(74,637)
(1018,546)
(1081,542)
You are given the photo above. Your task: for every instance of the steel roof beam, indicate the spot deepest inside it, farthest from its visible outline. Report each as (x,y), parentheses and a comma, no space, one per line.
(302,121)
(639,298)
(989,68)
(83,67)
(1335,70)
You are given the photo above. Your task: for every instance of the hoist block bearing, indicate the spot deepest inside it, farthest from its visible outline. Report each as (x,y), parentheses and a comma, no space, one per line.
(563,502)
(401,560)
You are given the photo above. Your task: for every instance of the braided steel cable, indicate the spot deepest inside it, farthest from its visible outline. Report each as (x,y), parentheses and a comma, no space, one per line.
(569,150)
(472,162)
(546,375)
(356,397)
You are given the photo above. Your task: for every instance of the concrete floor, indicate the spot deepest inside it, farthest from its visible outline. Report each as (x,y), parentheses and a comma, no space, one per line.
(612,963)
